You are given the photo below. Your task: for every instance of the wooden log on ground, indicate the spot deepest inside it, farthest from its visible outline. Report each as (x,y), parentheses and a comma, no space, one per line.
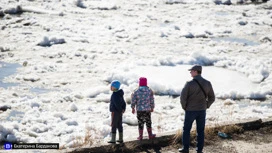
(252,125)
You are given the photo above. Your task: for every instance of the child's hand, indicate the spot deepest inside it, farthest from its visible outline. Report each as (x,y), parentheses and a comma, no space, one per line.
(151,110)
(133,111)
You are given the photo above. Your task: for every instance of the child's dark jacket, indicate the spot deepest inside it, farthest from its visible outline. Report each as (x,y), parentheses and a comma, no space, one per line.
(117,102)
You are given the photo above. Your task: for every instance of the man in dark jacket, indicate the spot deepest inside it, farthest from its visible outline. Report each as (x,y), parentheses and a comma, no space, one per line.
(117,108)
(196,96)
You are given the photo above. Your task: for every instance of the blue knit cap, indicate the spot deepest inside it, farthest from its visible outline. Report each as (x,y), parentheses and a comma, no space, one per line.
(116,84)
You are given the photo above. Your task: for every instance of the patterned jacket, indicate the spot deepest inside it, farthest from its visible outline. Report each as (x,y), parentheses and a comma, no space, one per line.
(143,99)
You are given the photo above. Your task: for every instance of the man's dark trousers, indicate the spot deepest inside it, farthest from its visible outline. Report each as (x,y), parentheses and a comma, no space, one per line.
(190,116)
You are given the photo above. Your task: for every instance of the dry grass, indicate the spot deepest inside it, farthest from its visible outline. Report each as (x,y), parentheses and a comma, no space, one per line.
(159,127)
(80,141)
(177,137)
(210,133)
(230,129)
(61,147)
(88,138)
(133,145)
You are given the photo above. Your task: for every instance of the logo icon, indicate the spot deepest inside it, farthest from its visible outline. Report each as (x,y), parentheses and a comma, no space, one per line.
(7,146)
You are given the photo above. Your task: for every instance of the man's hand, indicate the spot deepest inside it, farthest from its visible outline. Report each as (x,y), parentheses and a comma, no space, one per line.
(133,110)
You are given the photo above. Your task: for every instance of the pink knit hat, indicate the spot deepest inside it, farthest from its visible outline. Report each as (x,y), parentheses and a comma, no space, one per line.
(142,81)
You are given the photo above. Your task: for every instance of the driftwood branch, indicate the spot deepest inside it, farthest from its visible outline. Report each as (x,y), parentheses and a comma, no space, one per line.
(4,108)
(19,10)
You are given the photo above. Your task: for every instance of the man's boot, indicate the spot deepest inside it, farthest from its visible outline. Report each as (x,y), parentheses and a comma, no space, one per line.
(150,134)
(113,138)
(120,137)
(140,134)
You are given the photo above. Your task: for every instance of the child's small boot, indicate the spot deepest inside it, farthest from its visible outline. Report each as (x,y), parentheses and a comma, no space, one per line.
(150,134)
(120,137)
(140,134)
(113,138)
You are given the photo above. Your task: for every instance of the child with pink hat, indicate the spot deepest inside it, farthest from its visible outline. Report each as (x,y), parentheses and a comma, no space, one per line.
(143,99)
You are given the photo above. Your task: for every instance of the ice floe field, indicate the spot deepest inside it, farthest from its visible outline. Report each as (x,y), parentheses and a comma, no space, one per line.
(57,58)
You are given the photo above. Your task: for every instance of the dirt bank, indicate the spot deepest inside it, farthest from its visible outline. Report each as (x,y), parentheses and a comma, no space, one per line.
(246,142)
(251,136)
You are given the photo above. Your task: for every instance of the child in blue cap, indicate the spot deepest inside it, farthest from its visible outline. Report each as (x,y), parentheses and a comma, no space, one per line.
(117,108)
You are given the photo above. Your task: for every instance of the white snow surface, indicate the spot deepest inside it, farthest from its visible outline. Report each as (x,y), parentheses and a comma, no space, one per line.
(70,50)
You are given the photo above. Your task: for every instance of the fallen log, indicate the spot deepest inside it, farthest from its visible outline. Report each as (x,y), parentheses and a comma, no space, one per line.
(252,125)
